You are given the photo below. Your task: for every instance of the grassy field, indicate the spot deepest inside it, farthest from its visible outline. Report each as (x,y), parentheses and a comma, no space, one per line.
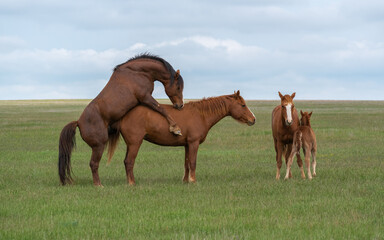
(236,195)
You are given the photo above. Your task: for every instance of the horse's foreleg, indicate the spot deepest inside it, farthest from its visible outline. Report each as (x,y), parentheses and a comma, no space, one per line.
(287,154)
(279,152)
(192,155)
(186,165)
(154,105)
(129,162)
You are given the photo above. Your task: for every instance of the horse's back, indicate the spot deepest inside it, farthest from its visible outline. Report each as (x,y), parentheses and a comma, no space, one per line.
(143,122)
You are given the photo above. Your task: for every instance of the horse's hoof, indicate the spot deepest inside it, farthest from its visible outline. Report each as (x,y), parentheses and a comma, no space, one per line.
(175,130)
(178,133)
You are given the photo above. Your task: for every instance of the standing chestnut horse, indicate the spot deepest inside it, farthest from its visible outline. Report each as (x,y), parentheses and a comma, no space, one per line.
(195,120)
(304,138)
(131,83)
(285,122)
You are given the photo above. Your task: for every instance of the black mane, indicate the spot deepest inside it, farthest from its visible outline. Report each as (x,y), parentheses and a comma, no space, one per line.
(147,55)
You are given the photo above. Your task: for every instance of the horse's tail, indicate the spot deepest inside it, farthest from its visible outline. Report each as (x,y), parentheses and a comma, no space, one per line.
(66,143)
(113,139)
(298,140)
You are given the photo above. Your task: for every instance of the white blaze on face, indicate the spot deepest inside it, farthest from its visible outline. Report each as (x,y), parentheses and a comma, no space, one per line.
(251,112)
(289,113)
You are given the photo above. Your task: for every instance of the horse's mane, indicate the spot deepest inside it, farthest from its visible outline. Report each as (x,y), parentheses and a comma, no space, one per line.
(148,55)
(209,106)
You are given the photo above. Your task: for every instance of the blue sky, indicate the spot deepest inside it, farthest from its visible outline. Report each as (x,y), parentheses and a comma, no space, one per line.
(318,49)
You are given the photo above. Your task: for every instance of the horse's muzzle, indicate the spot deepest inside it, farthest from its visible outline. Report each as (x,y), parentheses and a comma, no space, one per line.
(250,123)
(178,106)
(288,123)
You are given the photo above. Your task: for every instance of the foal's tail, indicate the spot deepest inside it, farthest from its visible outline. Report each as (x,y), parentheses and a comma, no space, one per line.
(113,139)
(66,143)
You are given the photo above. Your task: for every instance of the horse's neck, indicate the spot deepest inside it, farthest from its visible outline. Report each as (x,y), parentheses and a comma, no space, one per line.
(217,111)
(154,68)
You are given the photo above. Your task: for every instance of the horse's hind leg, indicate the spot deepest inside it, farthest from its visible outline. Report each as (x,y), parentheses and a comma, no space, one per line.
(97,153)
(289,164)
(186,165)
(314,162)
(307,163)
(94,132)
(129,161)
(300,164)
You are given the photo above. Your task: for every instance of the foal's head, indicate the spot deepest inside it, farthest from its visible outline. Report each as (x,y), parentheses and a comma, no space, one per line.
(305,118)
(174,90)
(239,110)
(287,108)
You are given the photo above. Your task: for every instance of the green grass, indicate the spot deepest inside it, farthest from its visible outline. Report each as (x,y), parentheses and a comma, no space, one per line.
(236,195)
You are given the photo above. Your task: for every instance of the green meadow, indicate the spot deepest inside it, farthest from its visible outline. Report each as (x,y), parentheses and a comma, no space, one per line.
(236,195)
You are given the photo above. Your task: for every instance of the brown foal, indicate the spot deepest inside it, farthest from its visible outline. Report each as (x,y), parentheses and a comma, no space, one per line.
(304,138)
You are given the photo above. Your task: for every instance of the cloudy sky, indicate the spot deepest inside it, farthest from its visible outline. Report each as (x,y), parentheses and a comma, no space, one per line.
(318,49)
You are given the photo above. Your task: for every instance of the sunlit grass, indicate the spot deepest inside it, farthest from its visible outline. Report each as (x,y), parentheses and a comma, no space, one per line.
(236,195)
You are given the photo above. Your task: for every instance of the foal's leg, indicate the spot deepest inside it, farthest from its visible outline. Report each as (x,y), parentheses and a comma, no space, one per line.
(289,163)
(314,162)
(300,164)
(192,155)
(186,165)
(279,152)
(129,161)
(307,163)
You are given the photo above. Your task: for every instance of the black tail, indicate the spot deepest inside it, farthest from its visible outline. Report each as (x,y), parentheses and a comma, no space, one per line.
(113,139)
(66,143)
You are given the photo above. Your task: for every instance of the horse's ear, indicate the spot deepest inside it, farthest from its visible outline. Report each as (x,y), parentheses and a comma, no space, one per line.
(177,74)
(238,93)
(310,114)
(281,95)
(301,112)
(293,95)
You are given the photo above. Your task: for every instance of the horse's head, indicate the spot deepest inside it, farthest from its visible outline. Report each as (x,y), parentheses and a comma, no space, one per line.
(287,108)
(174,90)
(305,118)
(239,110)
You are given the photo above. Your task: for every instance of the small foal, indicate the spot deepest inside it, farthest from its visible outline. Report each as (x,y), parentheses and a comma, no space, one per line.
(304,138)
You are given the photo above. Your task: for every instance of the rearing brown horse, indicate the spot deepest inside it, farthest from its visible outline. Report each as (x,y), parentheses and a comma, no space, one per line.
(131,83)
(285,123)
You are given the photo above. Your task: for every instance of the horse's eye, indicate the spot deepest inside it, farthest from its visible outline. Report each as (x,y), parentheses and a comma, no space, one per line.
(243,105)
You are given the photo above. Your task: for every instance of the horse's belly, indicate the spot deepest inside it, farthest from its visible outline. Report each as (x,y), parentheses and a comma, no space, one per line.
(165,139)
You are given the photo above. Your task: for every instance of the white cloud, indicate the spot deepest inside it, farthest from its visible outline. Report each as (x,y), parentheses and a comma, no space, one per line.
(210,66)
(220,46)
